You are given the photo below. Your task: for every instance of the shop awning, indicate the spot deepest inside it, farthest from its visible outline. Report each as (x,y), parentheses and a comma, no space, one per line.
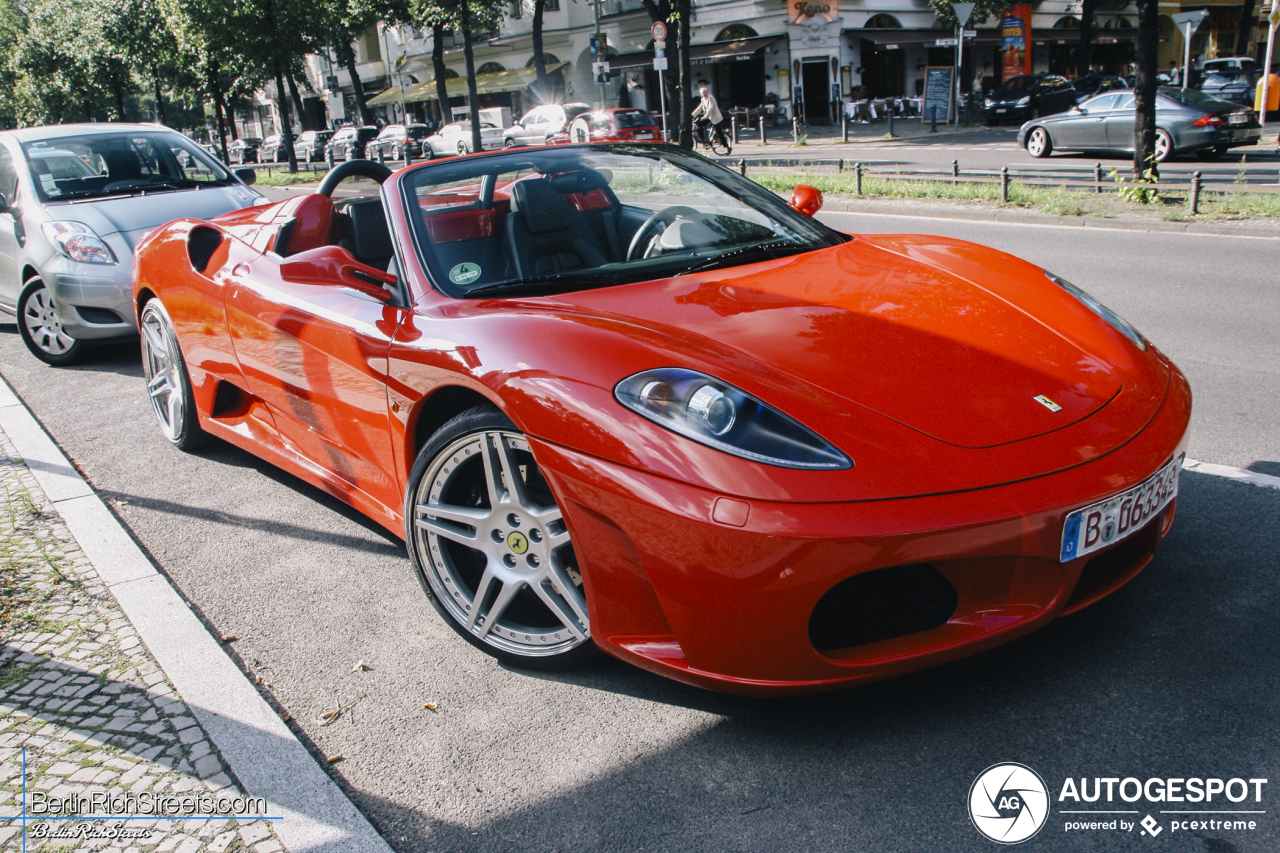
(700,54)
(486,84)
(892,39)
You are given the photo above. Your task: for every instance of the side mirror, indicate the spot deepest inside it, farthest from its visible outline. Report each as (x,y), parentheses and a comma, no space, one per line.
(1079,109)
(334,266)
(806,199)
(249,176)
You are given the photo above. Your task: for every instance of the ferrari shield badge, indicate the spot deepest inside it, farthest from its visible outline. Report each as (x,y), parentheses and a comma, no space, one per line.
(464,273)
(1047,403)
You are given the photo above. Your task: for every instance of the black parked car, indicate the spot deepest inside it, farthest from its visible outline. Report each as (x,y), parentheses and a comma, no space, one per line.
(244,150)
(1235,86)
(1030,96)
(1096,84)
(349,142)
(272,150)
(309,147)
(396,139)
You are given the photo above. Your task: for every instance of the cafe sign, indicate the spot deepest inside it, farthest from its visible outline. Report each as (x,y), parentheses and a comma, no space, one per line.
(804,11)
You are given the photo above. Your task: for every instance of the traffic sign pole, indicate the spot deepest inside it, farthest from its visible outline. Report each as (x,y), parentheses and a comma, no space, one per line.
(1274,20)
(659,32)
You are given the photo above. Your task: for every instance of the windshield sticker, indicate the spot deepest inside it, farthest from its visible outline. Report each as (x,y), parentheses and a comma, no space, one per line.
(464,273)
(50,187)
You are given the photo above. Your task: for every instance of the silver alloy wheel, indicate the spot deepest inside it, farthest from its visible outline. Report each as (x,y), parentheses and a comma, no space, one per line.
(495,548)
(44,325)
(163,372)
(1037,142)
(1164,146)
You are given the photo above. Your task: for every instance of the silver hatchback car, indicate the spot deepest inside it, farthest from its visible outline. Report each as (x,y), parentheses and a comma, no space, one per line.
(74,201)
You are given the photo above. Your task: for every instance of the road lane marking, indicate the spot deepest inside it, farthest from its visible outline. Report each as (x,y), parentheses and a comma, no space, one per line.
(1244,475)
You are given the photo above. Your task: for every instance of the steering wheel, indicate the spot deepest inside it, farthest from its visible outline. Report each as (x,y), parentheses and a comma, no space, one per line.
(352,169)
(662,217)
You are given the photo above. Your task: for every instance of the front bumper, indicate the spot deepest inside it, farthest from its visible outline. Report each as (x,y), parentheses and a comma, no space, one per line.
(719,592)
(1006,112)
(94,302)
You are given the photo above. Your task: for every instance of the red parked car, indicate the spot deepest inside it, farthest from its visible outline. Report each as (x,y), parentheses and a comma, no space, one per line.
(620,398)
(621,124)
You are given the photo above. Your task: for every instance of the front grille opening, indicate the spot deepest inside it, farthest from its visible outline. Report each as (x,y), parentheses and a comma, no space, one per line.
(100,316)
(880,605)
(201,244)
(1110,570)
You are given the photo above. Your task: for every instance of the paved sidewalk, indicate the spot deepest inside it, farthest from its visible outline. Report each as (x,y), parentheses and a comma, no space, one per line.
(80,694)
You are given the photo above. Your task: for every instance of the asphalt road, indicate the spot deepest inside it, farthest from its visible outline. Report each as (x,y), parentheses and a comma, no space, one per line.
(987,151)
(1174,676)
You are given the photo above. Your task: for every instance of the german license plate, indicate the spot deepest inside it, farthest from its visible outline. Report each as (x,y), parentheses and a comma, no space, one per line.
(645,135)
(1107,522)
(1237,118)
(1000,109)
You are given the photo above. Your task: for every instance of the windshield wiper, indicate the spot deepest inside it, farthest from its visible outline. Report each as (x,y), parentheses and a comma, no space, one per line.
(771,249)
(539,283)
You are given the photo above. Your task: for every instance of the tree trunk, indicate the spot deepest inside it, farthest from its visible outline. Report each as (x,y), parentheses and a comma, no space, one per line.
(303,121)
(159,102)
(686,75)
(215,91)
(349,58)
(286,126)
(539,61)
(1244,47)
(473,97)
(1084,55)
(442,83)
(117,86)
(1144,90)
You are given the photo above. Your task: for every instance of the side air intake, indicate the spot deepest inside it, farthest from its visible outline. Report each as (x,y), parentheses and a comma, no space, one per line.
(201,244)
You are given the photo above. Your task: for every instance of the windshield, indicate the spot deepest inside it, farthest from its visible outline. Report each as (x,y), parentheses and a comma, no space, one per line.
(1225,78)
(118,164)
(418,131)
(563,220)
(1017,84)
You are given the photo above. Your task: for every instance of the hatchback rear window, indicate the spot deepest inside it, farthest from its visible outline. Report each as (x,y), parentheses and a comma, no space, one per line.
(633,118)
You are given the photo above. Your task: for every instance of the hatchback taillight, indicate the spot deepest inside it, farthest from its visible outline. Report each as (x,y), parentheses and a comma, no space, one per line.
(1211,120)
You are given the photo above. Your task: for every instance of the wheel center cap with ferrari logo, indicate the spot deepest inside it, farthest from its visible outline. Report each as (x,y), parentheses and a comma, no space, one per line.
(517,542)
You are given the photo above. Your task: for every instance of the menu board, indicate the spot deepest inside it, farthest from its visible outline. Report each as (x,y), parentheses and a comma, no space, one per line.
(939,81)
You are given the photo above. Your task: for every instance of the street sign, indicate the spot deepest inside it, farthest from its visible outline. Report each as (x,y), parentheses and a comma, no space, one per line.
(969,34)
(1193,18)
(659,63)
(963,11)
(660,45)
(659,31)
(945,43)
(659,53)
(1274,18)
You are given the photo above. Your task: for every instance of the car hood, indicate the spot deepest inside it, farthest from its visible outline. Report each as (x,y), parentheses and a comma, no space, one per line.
(134,216)
(932,334)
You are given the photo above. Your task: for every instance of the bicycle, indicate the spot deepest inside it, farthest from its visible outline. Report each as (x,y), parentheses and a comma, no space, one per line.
(704,136)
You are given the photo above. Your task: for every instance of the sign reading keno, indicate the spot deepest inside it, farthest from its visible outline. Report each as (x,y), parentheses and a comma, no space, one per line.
(802,9)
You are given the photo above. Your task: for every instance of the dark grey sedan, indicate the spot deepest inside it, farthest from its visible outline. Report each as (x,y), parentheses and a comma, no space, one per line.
(1186,121)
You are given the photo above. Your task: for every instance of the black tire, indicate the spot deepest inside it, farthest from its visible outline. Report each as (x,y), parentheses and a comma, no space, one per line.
(463,149)
(428,153)
(508,143)
(41,327)
(456,469)
(168,383)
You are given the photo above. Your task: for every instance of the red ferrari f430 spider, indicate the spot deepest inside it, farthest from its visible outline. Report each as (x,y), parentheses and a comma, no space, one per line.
(617,397)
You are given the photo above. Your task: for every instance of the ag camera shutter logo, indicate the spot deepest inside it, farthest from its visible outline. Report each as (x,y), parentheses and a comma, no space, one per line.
(1008,803)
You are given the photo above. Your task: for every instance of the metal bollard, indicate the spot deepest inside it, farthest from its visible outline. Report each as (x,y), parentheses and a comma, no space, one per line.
(1097,177)
(840,166)
(795,129)
(763,141)
(857,180)
(955,171)
(408,158)
(1195,193)
(742,168)
(380,154)
(328,157)
(933,120)
(844,127)
(733,128)
(891,133)
(1004,184)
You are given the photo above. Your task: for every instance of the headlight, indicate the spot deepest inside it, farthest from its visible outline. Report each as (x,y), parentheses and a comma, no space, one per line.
(1024,101)
(76,241)
(990,102)
(718,415)
(1117,322)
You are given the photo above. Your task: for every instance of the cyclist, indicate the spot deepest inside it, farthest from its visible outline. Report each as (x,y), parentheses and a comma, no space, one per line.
(708,111)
